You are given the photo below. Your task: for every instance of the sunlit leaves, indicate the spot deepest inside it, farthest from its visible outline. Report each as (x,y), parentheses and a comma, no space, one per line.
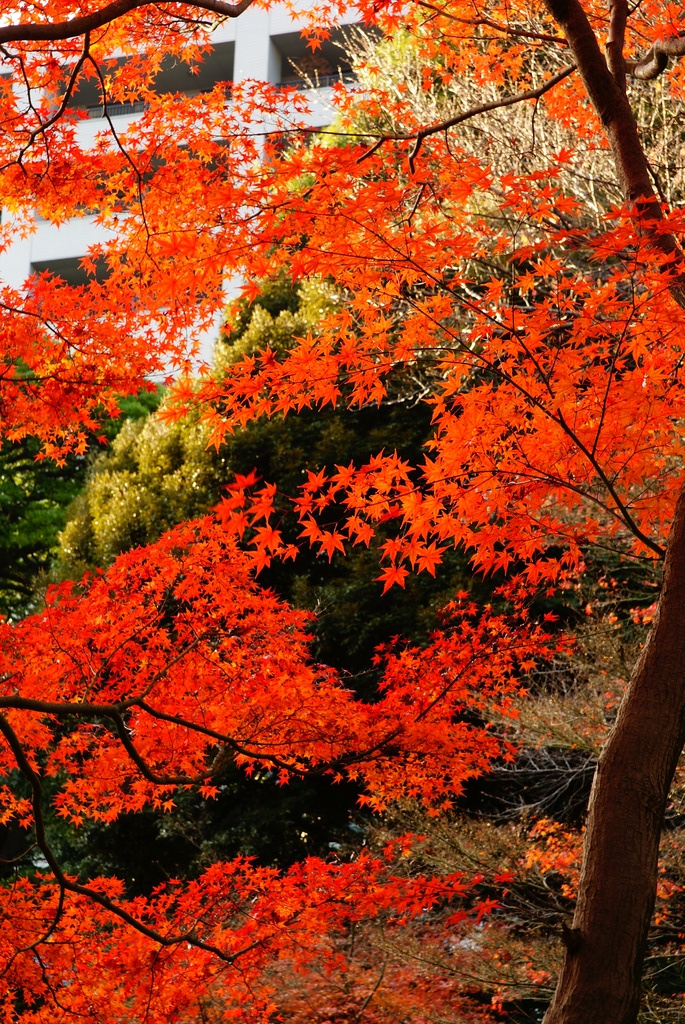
(495,281)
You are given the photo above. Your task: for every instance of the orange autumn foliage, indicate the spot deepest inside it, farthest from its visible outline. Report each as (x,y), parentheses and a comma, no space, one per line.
(142,680)
(548,348)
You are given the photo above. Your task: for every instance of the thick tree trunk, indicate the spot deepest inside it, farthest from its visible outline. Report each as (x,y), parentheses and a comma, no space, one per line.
(600,980)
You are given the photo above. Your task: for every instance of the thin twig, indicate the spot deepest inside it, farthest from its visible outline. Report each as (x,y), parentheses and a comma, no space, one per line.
(372,993)
(506,101)
(489,23)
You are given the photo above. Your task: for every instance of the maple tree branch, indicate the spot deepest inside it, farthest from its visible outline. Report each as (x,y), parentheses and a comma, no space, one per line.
(615,113)
(489,23)
(169,665)
(45,978)
(618,15)
(33,946)
(69,885)
(141,764)
(28,32)
(610,102)
(114,712)
(610,377)
(377,145)
(512,478)
(53,707)
(219,737)
(68,92)
(655,61)
(239,748)
(372,991)
(446,689)
(620,505)
(622,510)
(415,205)
(18,160)
(452,122)
(127,156)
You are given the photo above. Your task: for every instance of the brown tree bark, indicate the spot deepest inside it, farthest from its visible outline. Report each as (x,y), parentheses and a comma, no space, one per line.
(605,82)
(606,90)
(600,982)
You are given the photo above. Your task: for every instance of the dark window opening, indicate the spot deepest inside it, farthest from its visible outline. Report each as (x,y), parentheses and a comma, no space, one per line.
(175,77)
(71,270)
(304,68)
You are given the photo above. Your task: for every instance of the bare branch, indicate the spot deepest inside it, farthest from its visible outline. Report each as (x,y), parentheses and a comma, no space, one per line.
(618,14)
(483,108)
(655,61)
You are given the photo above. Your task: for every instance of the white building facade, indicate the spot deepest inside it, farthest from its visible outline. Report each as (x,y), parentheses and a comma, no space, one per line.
(262,45)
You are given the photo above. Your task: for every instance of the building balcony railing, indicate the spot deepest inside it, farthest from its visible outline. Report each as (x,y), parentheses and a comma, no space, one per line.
(138,106)
(319,81)
(117,109)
